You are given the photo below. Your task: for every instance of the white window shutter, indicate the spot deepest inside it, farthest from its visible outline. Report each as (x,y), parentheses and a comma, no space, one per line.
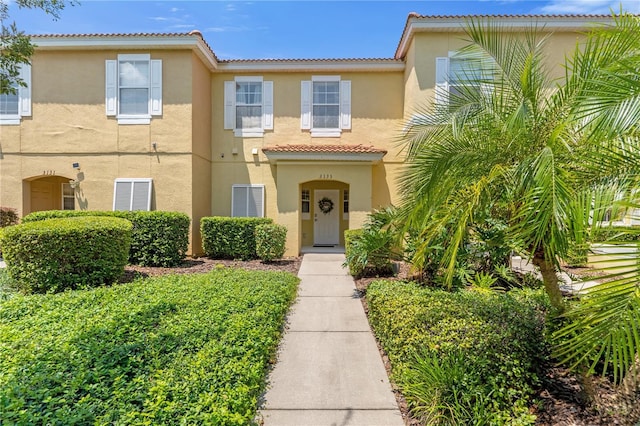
(442,81)
(111,85)
(305,104)
(155,107)
(132,194)
(255,203)
(141,196)
(122,195)
(267,105)
(239,200)
(345,104)
(24,108)
(229,105)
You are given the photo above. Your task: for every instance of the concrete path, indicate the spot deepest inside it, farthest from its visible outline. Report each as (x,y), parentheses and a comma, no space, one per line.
(329,370)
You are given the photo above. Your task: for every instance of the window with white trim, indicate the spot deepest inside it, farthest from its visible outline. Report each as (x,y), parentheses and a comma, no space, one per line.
(134,88)
(68,197)
(247,200)
(306,204)
(325,105)
(248,106)
(345,204)
(14,106)
(453,73)
(132,194)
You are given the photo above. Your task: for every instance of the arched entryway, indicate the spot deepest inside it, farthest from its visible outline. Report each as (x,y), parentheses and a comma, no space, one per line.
(324,212)
(48,193)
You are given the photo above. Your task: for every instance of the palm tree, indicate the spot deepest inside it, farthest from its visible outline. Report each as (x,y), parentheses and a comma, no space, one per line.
(555,153)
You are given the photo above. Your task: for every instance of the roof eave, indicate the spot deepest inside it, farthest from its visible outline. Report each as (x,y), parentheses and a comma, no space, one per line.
(302,65)
(133,42)
(275,157)
(416,23)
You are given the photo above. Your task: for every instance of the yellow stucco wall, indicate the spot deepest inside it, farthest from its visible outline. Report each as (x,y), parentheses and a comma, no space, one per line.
(69,124)
(376,106)
(419,74)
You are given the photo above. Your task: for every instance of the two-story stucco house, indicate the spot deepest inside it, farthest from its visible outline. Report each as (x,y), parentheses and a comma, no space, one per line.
(157,121)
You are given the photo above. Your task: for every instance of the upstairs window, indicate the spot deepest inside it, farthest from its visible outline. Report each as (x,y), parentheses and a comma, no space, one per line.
(248,106)
(455,73)
(326,106)
(14,106)
(134,88)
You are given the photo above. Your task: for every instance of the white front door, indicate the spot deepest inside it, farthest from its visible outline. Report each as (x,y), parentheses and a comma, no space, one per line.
(326,225)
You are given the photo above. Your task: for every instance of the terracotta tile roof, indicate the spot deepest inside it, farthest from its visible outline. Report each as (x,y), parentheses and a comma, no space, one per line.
(416,15)
(226,61)
(326,149)
(115,35)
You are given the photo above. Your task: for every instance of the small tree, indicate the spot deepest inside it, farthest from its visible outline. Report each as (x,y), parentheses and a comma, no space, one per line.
(15,46)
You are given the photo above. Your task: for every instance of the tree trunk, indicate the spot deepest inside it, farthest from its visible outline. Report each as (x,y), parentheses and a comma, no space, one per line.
(550,280)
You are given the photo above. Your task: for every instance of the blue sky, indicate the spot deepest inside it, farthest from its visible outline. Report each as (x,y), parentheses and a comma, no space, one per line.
(285,29)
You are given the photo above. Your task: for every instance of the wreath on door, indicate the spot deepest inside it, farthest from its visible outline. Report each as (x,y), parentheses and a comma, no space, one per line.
(325,205)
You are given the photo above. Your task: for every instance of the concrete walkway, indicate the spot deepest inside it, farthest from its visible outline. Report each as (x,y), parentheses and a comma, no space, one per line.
(329,370)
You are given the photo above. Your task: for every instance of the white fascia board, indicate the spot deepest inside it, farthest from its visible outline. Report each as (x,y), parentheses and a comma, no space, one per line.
(443,24)
(127,42)
(275,157)
(311,66)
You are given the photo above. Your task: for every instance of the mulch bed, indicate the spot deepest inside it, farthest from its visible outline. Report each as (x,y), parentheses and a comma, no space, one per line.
(560,401)
(203,264)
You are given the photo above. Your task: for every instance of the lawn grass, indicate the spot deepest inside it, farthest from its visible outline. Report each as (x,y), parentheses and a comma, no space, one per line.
(179,349)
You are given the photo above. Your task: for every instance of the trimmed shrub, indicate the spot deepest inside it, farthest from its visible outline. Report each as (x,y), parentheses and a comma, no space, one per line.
(495,341)
(355,267)
(59,254)
(159,238)
(270,241)
(230,237)
(8,217)
(173,350)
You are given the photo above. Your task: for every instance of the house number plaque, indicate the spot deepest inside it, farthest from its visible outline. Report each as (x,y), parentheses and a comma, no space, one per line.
(326,176)
(49,172)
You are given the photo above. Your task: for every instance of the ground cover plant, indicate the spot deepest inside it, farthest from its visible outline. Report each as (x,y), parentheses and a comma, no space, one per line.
(465,357)
(177,349)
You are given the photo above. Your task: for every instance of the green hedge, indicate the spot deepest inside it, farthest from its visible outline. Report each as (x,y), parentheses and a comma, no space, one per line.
(270,241)
(159,238)
(355,267)
(59,254)
(466,356)
(230,237)
(180,349)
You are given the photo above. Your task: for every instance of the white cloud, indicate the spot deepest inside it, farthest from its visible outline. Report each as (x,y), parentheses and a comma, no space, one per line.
(589,7)
(182,26)
(158,18)
(174,10)
(230,7)
(225,29)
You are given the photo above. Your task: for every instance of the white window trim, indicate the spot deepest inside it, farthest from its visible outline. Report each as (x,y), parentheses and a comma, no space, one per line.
(24,99)
(68,196)
(345,202)
(305,215)
(133,181)
(239,185)
(443,78)
(230,107)
(113,89)
(344,116)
